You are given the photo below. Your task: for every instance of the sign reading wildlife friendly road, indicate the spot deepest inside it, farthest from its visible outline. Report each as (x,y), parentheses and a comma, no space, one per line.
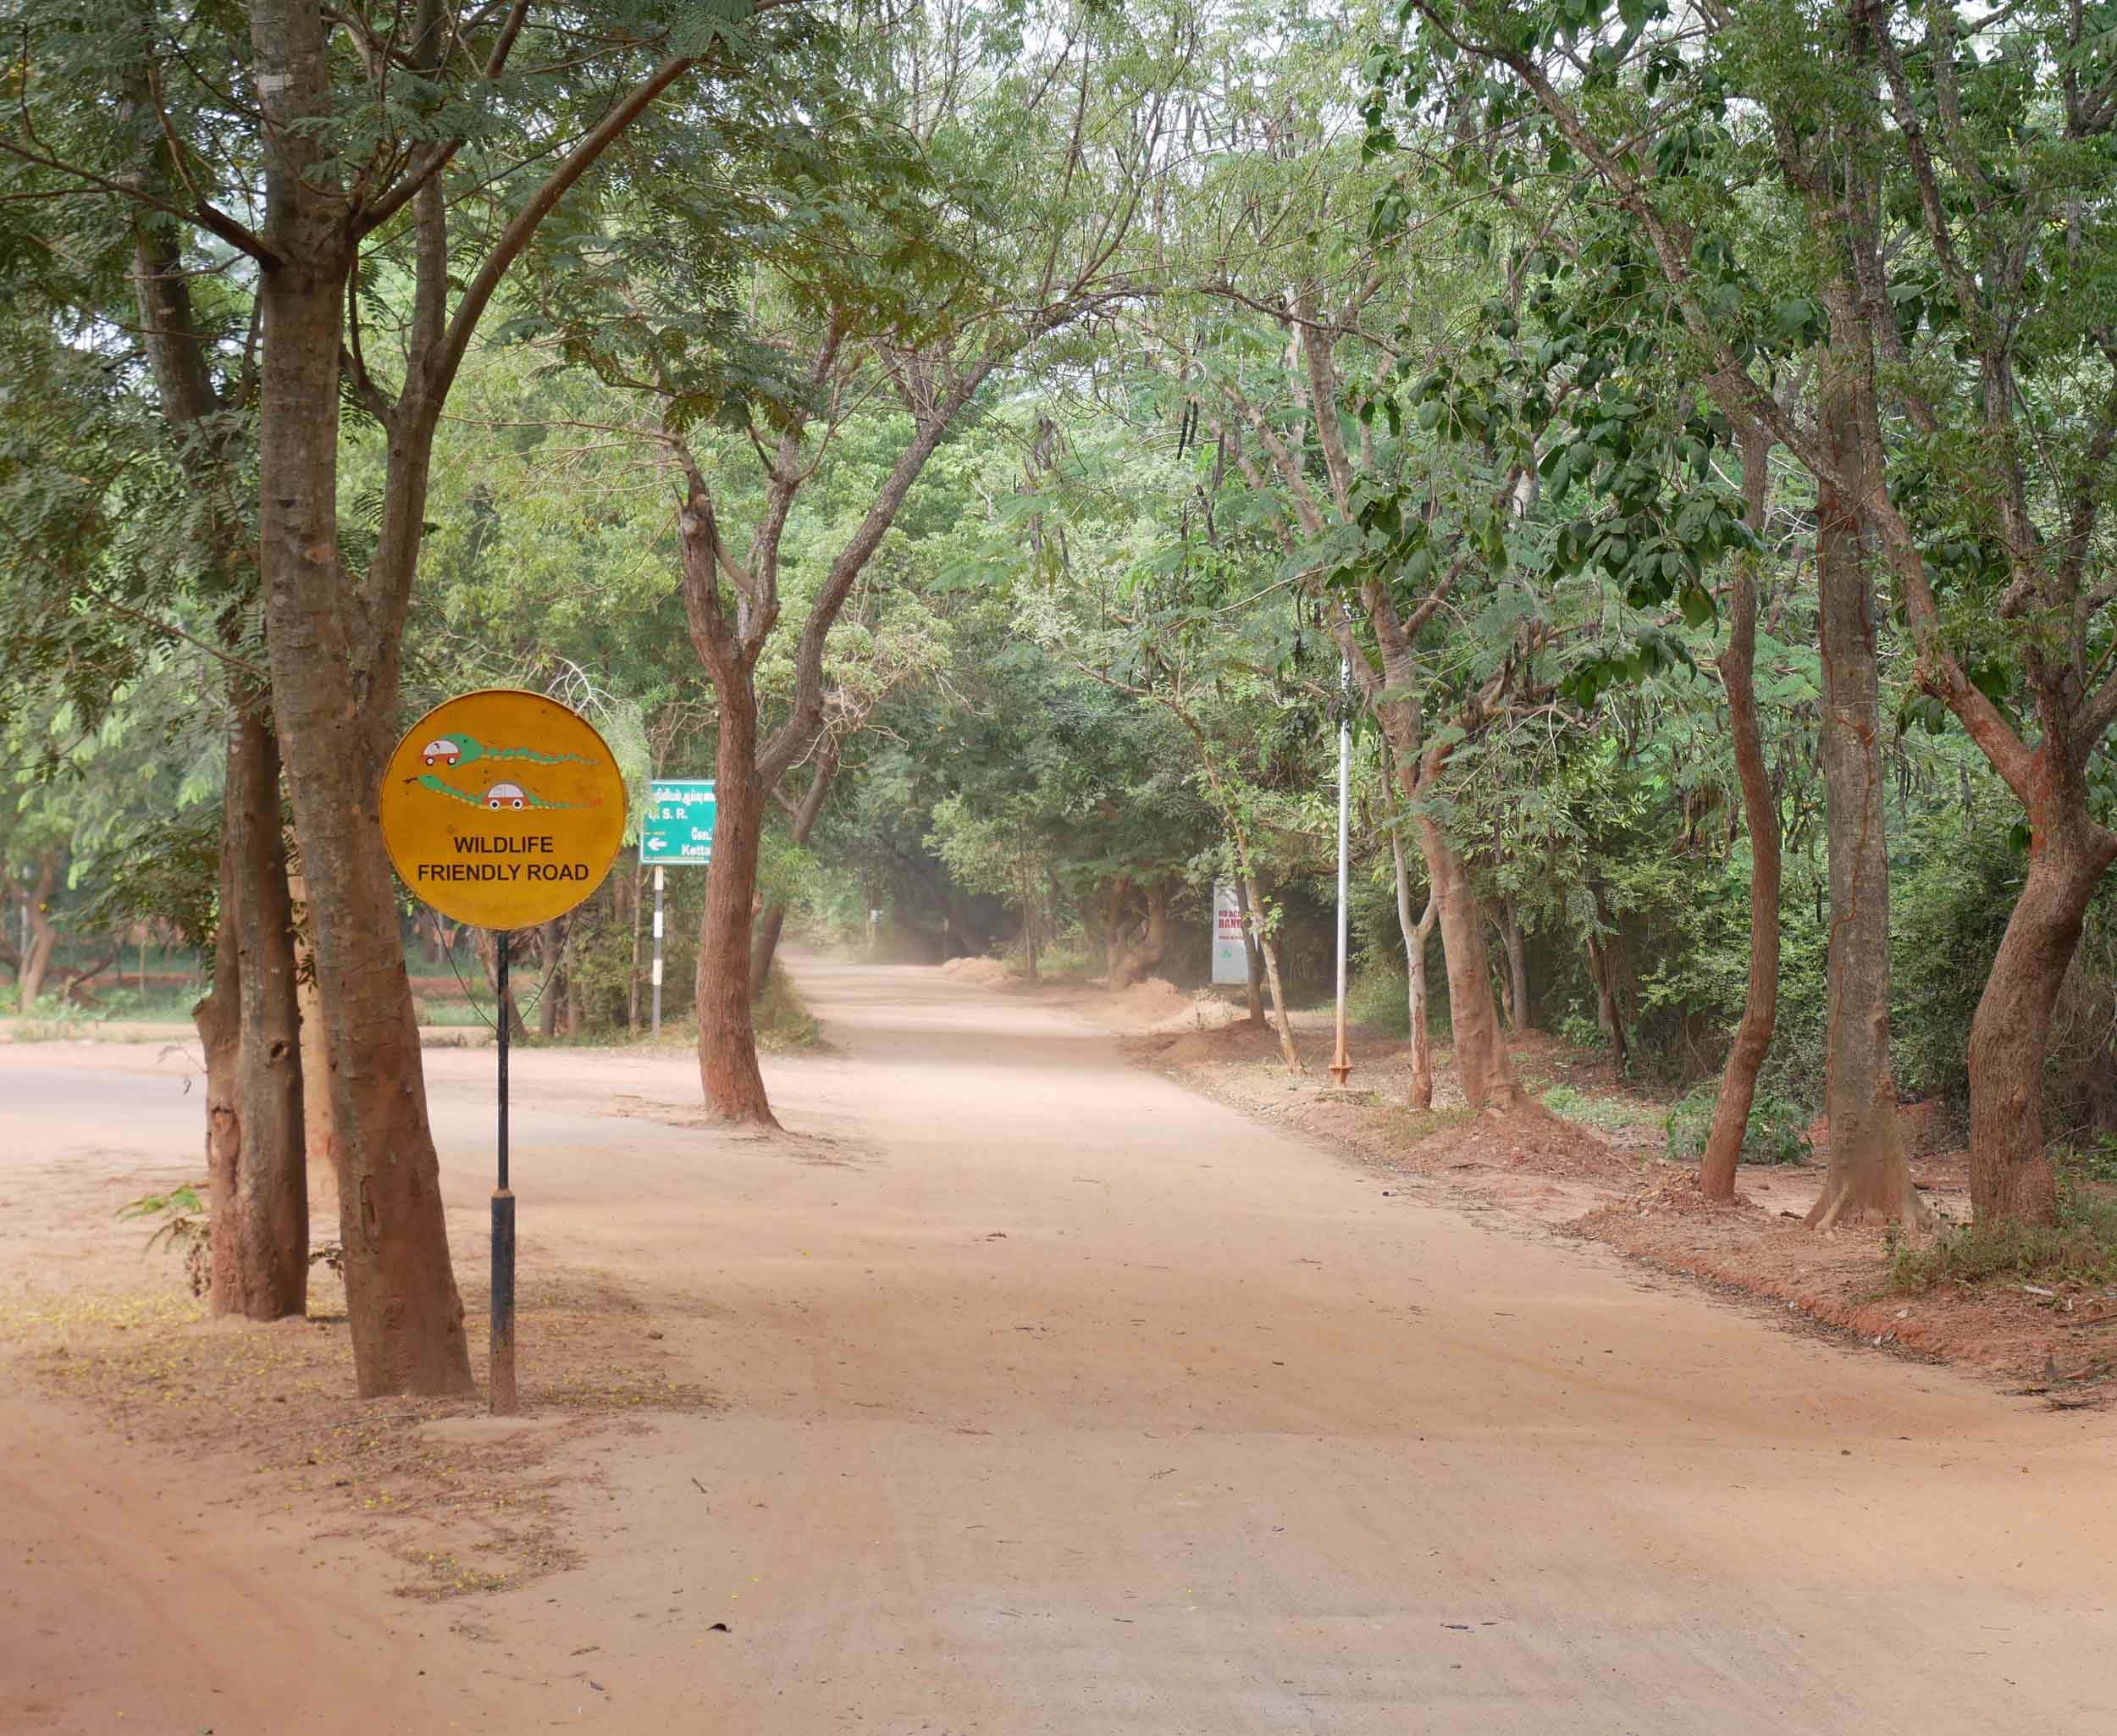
(502,809)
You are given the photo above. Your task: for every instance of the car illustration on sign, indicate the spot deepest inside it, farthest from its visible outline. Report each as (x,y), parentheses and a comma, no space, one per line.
(505,795)
(440,751)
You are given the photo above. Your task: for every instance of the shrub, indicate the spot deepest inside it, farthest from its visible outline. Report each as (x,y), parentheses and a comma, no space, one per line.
(2080,1248)
(1776,1133)
(1609,1114)
(1375,1000)
(181,1223)
(2095,1162)
(782,1022)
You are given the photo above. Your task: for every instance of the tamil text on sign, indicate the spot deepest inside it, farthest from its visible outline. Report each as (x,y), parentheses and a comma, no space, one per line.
(679,827)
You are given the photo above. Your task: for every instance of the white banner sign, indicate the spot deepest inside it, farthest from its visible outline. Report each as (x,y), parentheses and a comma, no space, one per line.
(1230,958)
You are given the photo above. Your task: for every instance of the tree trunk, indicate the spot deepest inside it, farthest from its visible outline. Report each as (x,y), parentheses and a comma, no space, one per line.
(1517,966)
(1253,912)
(1602,971)
(405,1314)
(1483,1066)
(1415,990)
(1128,962)
(81,976)
(1156,946)
(1115,890)
(1028,884)
(1868,1174)
(336,647)
(766,948)
(804,820)
(318,1139)
(253,1035)
(1761,815)
(728,1037)
(2010,1176)
(1253,955)
(218,1017)
(259,1173)
(1415,933)
(551,940)
(36,959)
(1265,946)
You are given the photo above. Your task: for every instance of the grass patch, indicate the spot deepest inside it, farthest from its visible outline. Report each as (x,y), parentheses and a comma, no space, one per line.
(161,1004)
(1070,964)
(36,1030)
(1409,1126)
(783,1024)
(2080,1248)
(2095,1162)
(1610,1113)
(453,1013)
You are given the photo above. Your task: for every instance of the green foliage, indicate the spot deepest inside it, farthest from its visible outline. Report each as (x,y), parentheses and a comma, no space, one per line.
(1375,1000)
(2094,1162)
(163,869)
(784,1023)
(1608,1114)
(181,1223)
(1098,640)
(1776,1133)
(2079,1249)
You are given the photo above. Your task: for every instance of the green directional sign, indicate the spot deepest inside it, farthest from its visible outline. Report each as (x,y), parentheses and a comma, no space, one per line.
(679,827)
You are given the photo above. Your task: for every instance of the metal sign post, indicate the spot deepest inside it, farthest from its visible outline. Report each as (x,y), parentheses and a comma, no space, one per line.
(502,1378)
(502,810)
(1340,1065)
(657,964)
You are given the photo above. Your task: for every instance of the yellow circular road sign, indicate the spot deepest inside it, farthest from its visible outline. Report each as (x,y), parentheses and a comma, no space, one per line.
(502,809)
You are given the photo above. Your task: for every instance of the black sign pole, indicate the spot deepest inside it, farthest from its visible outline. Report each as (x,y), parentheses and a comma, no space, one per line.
(502,1379)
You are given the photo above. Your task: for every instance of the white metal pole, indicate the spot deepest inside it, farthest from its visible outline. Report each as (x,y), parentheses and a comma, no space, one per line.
(1340,1067)
(657,965)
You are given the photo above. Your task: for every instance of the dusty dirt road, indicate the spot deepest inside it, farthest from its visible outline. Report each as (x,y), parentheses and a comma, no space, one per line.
(1059,1400)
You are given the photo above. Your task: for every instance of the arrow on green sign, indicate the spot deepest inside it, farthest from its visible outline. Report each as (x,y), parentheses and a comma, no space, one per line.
(678,828)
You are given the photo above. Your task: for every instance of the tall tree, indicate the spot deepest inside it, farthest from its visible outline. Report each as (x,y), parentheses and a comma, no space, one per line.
(380,168)
(1005,202)
(163,416)
(1253,331)
(1951,248)
(1760,817)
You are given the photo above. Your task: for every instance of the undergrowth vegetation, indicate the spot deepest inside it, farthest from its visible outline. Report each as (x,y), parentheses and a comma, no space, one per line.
(784,1023)
(1776,1133)
(2079,1249)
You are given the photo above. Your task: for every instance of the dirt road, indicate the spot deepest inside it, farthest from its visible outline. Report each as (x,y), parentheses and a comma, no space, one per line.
(1059,1400)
